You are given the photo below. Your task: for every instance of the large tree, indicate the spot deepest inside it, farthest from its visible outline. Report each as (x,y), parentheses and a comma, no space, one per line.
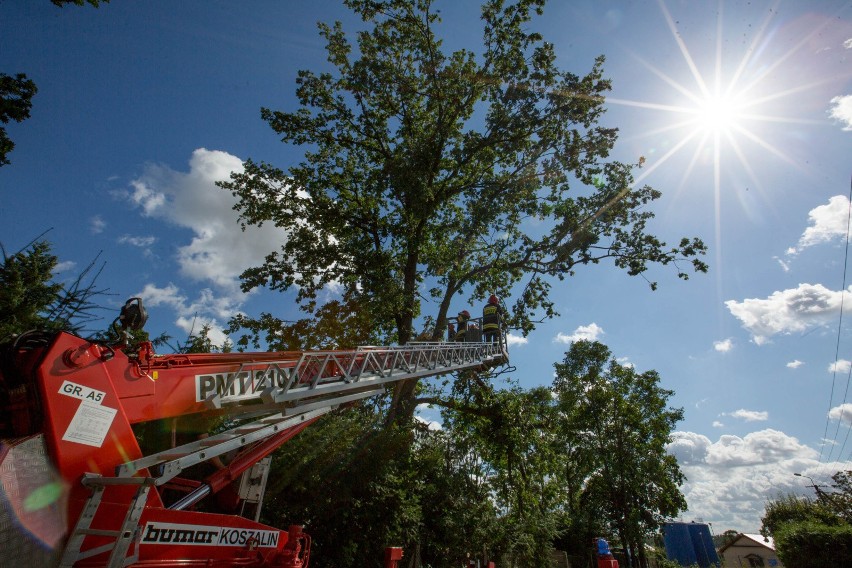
(617,422)
(447,173)
(515,432)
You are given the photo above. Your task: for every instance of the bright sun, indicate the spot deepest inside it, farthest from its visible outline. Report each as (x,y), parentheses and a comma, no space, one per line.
(716,114)
(718,111)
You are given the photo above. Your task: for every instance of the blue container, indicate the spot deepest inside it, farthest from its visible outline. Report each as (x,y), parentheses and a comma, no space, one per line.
(690,543)
(678,543)
(702,543)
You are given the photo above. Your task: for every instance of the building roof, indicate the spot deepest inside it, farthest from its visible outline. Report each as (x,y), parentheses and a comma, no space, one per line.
(748,539)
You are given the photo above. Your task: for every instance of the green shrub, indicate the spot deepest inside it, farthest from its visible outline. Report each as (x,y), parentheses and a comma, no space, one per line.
(809,544)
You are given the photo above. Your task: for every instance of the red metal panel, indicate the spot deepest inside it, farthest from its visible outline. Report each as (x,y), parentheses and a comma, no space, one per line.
(85,426)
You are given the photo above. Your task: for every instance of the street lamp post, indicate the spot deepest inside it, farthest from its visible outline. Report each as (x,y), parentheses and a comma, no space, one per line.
(820,493)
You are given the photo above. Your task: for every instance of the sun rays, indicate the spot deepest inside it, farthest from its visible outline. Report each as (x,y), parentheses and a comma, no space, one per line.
(723,116)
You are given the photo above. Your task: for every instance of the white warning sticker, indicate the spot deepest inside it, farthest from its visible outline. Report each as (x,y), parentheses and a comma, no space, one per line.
(82,392)
(90,424)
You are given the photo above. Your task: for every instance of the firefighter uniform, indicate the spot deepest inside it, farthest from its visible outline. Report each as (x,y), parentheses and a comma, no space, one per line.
(491,319)
(461,332)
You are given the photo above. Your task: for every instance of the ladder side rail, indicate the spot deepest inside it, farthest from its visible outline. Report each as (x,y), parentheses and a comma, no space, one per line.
(402,359)
(409,358)
(128,531)
(426,357)
(201,450)
(355,359)
(288,372)
(373,366)
(181,457)
(71,553)
(376,362)
(342,362)
(377,379)
(294,376)
(333,403)
(321,364)
(412,357)
(396,360)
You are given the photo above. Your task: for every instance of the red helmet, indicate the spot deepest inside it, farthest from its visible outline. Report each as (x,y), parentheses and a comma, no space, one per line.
(465,314)
(493,299)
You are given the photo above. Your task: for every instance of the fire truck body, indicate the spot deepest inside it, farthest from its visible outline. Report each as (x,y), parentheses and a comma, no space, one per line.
(80,399)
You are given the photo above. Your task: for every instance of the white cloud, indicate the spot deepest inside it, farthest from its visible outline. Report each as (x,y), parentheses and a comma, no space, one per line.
(219,250)
(149,200)
(140,242)
(429,415)
(64,266)
(512,340)
(841,111)
(689,447)
(432,425)
(717,424)
(827,223)
(749,415)
(589,332)
(842,413)
(794,364)
(97,225)
(730,480)
(192,315)
(155,296)
(788,311)
(840,366)
(785,266)
(723,346)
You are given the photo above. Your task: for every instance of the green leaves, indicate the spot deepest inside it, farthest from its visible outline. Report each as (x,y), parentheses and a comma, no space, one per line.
(16,93)
(427,165)
(618,419)
(31,299)
(810,532)
(26,290)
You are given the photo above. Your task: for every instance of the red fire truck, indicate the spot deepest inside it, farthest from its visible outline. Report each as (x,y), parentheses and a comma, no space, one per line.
(69,405)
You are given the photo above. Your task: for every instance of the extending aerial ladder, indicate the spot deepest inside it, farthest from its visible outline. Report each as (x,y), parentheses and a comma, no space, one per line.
(71,402)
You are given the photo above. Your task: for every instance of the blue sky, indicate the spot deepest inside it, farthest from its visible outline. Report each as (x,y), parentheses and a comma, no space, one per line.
(143,105)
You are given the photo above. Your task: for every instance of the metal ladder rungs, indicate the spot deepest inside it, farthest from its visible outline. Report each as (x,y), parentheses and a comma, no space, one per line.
(123,537)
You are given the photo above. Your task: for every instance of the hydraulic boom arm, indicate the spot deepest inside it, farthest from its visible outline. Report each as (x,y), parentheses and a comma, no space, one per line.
(79,399)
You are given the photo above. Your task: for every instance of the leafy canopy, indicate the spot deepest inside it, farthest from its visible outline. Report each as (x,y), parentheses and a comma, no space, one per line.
(464,172)
(617,423)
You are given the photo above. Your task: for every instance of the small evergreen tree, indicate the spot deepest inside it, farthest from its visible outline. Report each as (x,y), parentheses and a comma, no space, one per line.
(30,297)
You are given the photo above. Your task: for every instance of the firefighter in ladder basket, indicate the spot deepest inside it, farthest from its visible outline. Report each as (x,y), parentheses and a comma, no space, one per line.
(491,320)
(462,323)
